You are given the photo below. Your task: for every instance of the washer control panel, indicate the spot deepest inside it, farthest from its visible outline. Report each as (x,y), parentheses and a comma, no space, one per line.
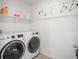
(13,36)
(20,35)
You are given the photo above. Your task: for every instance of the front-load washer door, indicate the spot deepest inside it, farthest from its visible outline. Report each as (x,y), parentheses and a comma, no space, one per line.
(13,50)
(33,44)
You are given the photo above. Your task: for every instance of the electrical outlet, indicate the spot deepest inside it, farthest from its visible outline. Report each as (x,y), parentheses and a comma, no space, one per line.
(75,46)
(1,31)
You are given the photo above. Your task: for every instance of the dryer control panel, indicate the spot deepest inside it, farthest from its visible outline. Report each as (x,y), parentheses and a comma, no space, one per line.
(35,33)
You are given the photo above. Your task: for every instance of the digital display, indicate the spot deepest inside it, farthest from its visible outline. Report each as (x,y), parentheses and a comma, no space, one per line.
(20,35)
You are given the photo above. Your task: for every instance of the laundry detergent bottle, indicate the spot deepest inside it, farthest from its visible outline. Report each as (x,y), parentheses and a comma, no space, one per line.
(5,11)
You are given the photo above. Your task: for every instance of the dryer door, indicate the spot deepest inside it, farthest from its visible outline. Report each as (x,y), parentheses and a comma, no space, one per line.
(33,44)
(13,50)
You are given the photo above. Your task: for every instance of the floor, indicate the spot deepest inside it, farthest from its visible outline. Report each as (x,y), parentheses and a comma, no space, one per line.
(41,56)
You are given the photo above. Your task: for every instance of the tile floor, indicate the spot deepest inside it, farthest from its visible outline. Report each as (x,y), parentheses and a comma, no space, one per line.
(41,56)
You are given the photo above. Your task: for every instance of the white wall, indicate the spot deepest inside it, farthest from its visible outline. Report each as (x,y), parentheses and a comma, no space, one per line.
(14,27)
(56,6)
(57,36)
(7,24)
(58,32)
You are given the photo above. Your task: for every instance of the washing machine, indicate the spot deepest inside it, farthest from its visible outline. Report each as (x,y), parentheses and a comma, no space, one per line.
(12,46)
(32,45)
(24,45)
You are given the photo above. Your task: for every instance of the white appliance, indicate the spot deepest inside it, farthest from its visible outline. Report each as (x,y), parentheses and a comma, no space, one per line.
(19,45)
(12,46)
(32,45)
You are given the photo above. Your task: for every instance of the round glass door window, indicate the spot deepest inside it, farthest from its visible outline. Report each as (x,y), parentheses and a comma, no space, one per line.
(34,44)
(13,50)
